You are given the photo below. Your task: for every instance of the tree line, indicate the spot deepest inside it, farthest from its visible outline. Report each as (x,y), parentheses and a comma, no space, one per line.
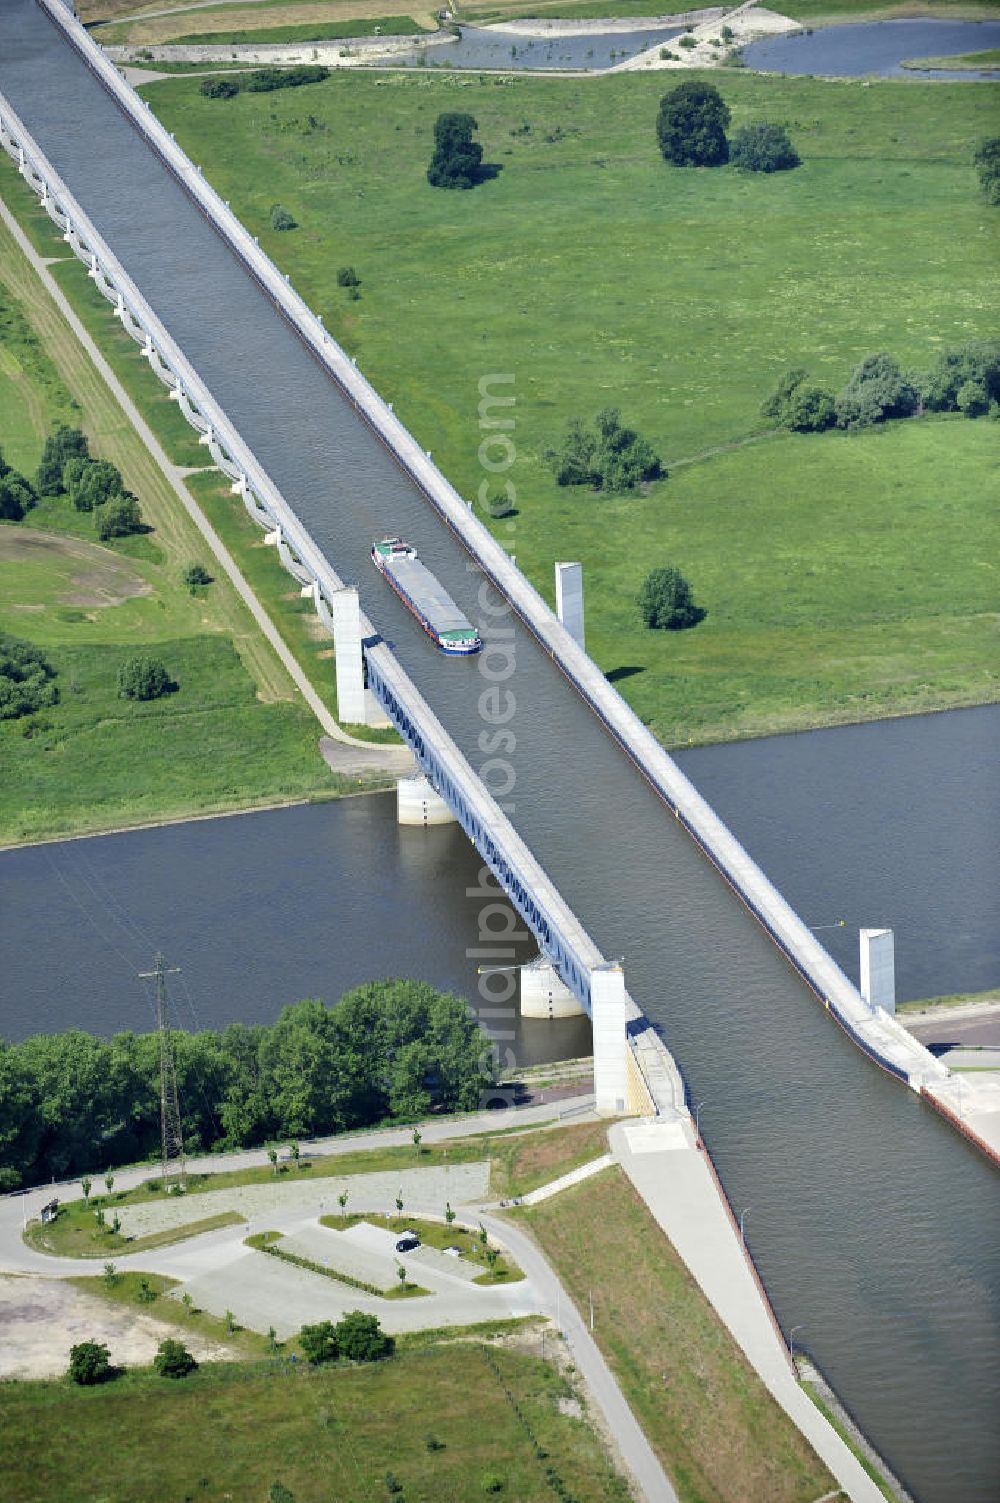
(389,1051)
(965,379)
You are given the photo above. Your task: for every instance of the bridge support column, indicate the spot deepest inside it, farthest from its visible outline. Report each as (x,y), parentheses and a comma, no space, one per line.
(419,803)
(544,994)
(607,1011)
(346,612)
(569,599)
(878,969)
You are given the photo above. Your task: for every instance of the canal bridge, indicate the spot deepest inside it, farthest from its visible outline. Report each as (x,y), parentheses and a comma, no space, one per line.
(600,840)
(564,944)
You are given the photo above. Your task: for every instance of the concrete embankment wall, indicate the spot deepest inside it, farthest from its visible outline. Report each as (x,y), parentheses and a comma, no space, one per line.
(884,1040)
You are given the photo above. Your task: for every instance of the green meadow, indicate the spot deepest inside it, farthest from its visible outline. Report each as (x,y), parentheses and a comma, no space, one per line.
(845,576)
(231,733)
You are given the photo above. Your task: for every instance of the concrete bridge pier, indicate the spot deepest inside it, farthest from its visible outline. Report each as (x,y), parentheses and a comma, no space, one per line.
(355,703)
(878,969)
(569,600)
(608,1016)
(419,803)
(544,994)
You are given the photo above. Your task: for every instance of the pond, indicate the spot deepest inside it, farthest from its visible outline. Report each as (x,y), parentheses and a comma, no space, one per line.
(877,47)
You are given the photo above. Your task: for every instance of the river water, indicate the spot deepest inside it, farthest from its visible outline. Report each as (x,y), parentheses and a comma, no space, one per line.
(873,1224)
(479,47)
(877,47)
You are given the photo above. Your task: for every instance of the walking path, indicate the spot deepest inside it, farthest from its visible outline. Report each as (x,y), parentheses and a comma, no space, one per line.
(674,1179)
(392,758)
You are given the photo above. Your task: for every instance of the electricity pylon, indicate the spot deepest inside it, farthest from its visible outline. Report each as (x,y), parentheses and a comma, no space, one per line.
(171,1136)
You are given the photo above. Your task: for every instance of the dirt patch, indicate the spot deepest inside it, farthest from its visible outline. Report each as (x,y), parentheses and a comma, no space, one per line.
(40,1319)
(90,575)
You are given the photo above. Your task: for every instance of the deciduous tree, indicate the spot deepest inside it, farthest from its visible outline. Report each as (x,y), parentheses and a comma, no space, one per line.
(691,125)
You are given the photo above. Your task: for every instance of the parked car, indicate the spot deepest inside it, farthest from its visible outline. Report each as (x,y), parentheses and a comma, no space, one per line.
(407,1243)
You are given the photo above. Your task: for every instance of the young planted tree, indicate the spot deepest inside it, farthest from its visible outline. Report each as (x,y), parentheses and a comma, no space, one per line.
(691,126)
(457,159)
(665,601)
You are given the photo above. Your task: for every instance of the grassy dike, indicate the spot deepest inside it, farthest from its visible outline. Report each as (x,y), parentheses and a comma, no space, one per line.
(845,576)
(714,1426)
(232,735)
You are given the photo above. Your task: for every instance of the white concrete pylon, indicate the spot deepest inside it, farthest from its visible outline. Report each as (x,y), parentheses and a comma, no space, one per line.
(878,969)
(419,803)
(544,994)
(569,599)
(345,609)
(607,1014)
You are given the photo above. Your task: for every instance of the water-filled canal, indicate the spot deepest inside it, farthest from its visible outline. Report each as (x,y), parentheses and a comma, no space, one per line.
(872,1223)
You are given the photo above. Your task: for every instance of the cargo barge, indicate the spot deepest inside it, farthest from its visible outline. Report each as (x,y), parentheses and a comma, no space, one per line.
(425,597)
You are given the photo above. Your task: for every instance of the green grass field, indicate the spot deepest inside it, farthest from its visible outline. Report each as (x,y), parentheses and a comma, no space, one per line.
(844,576)
(328,1435)
(971,61)
(704,1410)
(231,735)
(318,31)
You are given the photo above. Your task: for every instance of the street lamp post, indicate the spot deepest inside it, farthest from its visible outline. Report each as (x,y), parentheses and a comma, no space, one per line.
(743,1215)
(697,1119)
(791,1342)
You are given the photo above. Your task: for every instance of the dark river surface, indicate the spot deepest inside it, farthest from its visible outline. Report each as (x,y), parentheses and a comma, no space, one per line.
(878,47)
(873,1224)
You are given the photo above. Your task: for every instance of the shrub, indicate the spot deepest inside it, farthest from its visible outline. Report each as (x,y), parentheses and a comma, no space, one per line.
(691,124)
(347,277)
(25,679)
(876,390)
(987,160)
(971,399)
(65,443)
(90,483)
(360,1338)
(196,574)
(609,457)
(90,1362)
(796,405)
(118,518)
(281,218)
(263,80)
(761,147)
(17,494)
(687,43)
(665,601)
(319,1343)
(499,504)
(975,364)
(173,1360)
(219,88)
(457,159)
(142,678)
